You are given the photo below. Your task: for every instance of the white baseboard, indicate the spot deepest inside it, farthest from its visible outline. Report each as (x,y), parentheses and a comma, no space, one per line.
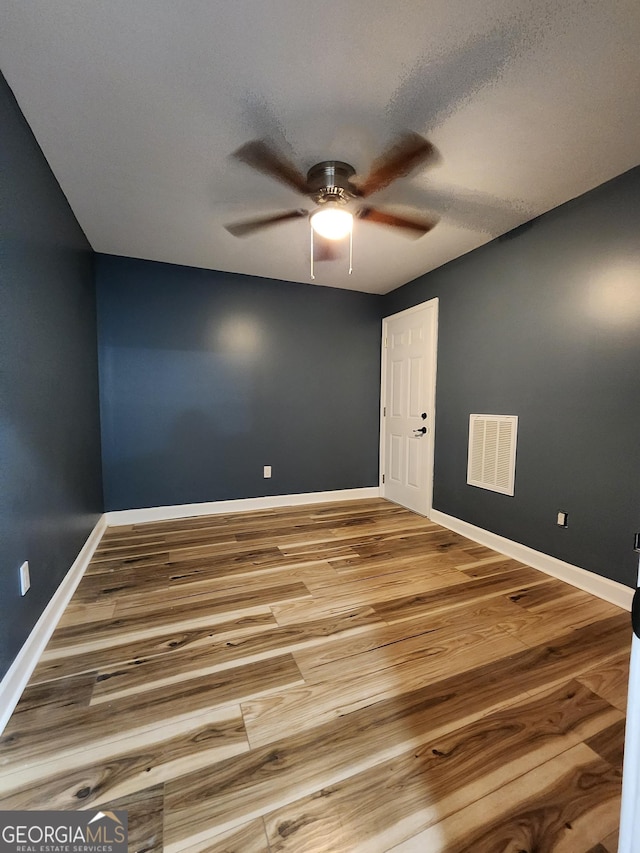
(19,672)
(612,591)
(164,513)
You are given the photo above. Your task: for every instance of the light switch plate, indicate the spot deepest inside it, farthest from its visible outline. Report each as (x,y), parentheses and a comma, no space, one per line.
(25,580)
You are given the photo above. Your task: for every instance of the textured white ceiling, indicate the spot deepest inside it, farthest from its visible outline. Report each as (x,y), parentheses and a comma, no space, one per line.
(137,105)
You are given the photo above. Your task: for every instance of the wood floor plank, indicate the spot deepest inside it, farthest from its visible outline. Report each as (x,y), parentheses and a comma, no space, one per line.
(226,555)
(357,568)
(26,745)
(546,623)
(437,652)
(372,679)
(424,535)
(492,683)
(387,595)
(190,613)
(296,765)
(385,583)
(266,517)
(478,552)
(406,607)
(42,700)
(347,675)
(141,600)
(495,616)
(610,843)
(228,560)
(91,777)
(562,806)
(382,807)
(144,818)
(610,680)
(609,744)
(489,566)
(553,592)
(143,580)
(326,529)
(381,559)
(79,614)
(140,675)
(66,666)
(249,838)
(134,545)
(367,736)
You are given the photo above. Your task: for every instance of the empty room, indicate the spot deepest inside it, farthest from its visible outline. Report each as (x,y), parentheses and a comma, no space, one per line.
(319,406)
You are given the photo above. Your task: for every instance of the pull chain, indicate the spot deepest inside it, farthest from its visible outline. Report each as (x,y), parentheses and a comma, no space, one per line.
(311,229)
(350,251)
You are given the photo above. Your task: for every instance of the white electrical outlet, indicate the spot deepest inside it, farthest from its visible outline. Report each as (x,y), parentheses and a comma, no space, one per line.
(25,580)
(267,471)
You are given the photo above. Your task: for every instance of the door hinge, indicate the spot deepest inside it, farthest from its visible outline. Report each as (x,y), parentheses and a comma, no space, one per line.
(384,412)
(383,478)
(385,342)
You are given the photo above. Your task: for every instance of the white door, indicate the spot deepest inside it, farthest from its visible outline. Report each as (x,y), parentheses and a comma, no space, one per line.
(409,342)
(630,818)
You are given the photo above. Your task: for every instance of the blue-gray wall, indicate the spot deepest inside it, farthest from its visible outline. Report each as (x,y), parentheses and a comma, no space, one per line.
(545,324)
(51,491)
(205,377)
(208,376)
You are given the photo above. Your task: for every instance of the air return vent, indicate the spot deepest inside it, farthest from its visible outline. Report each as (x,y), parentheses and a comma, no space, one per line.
(492,452)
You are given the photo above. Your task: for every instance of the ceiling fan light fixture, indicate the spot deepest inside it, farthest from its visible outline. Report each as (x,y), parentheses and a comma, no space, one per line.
(332,222)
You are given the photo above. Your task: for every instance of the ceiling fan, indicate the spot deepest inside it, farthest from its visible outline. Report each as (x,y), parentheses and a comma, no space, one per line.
(335,188)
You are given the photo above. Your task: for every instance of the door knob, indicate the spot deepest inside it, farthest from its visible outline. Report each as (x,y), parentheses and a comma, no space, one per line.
(420,431)
(424,416)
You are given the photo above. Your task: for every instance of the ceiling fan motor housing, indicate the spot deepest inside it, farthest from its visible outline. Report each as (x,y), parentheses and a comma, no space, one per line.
(330,181)
(332,184)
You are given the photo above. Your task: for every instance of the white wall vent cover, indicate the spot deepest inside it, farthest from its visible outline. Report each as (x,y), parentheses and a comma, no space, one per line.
(492,452)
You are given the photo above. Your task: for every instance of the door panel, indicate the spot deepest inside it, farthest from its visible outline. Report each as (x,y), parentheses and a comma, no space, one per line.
(395,466)
(396,389)
(409,359)
(413,463)
(416,386)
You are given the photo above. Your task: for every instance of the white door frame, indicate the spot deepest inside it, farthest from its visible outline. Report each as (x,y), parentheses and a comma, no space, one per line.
(630,812)
(432,402)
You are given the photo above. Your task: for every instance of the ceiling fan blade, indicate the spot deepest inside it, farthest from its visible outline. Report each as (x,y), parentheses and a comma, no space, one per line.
(248,226)
(267,160)
(409,152)
(417,225)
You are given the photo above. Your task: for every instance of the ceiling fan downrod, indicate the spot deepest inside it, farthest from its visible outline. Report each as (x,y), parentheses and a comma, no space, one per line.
(330,181)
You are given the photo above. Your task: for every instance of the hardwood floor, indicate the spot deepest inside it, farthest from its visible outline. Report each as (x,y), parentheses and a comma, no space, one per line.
(338,677)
